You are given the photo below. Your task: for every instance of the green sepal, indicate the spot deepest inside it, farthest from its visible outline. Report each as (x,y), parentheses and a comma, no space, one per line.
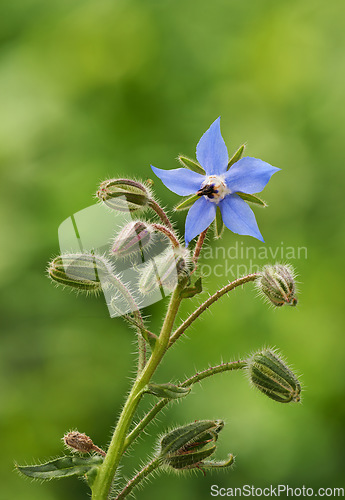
(189,292)
(193,435)
(186,204)
(61,467)
(237,156)
(252,199)
(167,391)
(218,224)
(191,164)
(218,464)
(189,459)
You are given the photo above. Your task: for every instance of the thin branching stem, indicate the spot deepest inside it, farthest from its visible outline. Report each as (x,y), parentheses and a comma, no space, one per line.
(197,377)
(167,232)
(103,481)
(160,212)
(213,298)
(150,467)
(198,247)
(120,287)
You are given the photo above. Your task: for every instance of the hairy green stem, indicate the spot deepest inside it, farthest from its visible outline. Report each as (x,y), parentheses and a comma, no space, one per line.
(223,367)
(120,287)
(103,481)
(227,288)
(150,467)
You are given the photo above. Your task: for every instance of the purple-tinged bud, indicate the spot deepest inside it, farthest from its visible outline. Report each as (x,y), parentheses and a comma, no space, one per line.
(268,373)
(277,283)
(81,271)
(131,239)
(123,194)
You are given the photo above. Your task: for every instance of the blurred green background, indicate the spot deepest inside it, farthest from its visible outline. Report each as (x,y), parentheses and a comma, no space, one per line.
(97,89)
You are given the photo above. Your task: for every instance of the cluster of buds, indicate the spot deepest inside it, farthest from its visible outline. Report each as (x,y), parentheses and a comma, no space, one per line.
(277,284)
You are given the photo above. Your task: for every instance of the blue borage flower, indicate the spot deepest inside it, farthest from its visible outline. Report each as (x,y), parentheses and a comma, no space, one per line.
(219,186)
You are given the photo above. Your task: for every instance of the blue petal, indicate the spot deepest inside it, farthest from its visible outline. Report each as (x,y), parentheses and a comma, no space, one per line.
(249,175)
(211,151)
(239,217)
(199,217)
(180,180)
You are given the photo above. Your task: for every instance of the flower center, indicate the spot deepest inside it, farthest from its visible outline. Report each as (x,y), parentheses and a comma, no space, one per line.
(214,188)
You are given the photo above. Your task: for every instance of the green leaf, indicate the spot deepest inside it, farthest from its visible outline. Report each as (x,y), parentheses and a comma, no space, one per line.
(169,391)
(218,224)
(187,203)
(189,292)
(252,199)
(191,164)
(237,156)
(61,467)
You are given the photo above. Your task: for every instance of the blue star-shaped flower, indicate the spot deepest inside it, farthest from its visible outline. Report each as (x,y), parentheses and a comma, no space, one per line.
(219,187)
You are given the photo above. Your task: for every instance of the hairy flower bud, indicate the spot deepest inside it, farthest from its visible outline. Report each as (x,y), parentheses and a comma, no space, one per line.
(131,239)
(123,194)
(271,376)
(82,271)
(277,283)
(78,441)
(186,447)
(164,271)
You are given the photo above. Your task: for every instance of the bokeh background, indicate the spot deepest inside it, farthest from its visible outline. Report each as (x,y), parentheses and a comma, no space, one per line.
(97,89)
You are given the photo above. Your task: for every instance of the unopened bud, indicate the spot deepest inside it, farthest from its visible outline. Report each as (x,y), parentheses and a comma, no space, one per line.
(186,447)
(132,238)
(164,271)
(271,376)
(78,441)
(277,283)
(82,271)
(123,194)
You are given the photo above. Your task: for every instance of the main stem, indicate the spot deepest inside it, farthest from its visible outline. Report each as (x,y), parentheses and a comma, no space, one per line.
(102,484)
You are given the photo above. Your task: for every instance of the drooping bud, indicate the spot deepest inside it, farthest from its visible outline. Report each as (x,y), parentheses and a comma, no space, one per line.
(271,376)
(186,447)
(165,271)
(123,194)
(277,283)
(132,238)
(82,271)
